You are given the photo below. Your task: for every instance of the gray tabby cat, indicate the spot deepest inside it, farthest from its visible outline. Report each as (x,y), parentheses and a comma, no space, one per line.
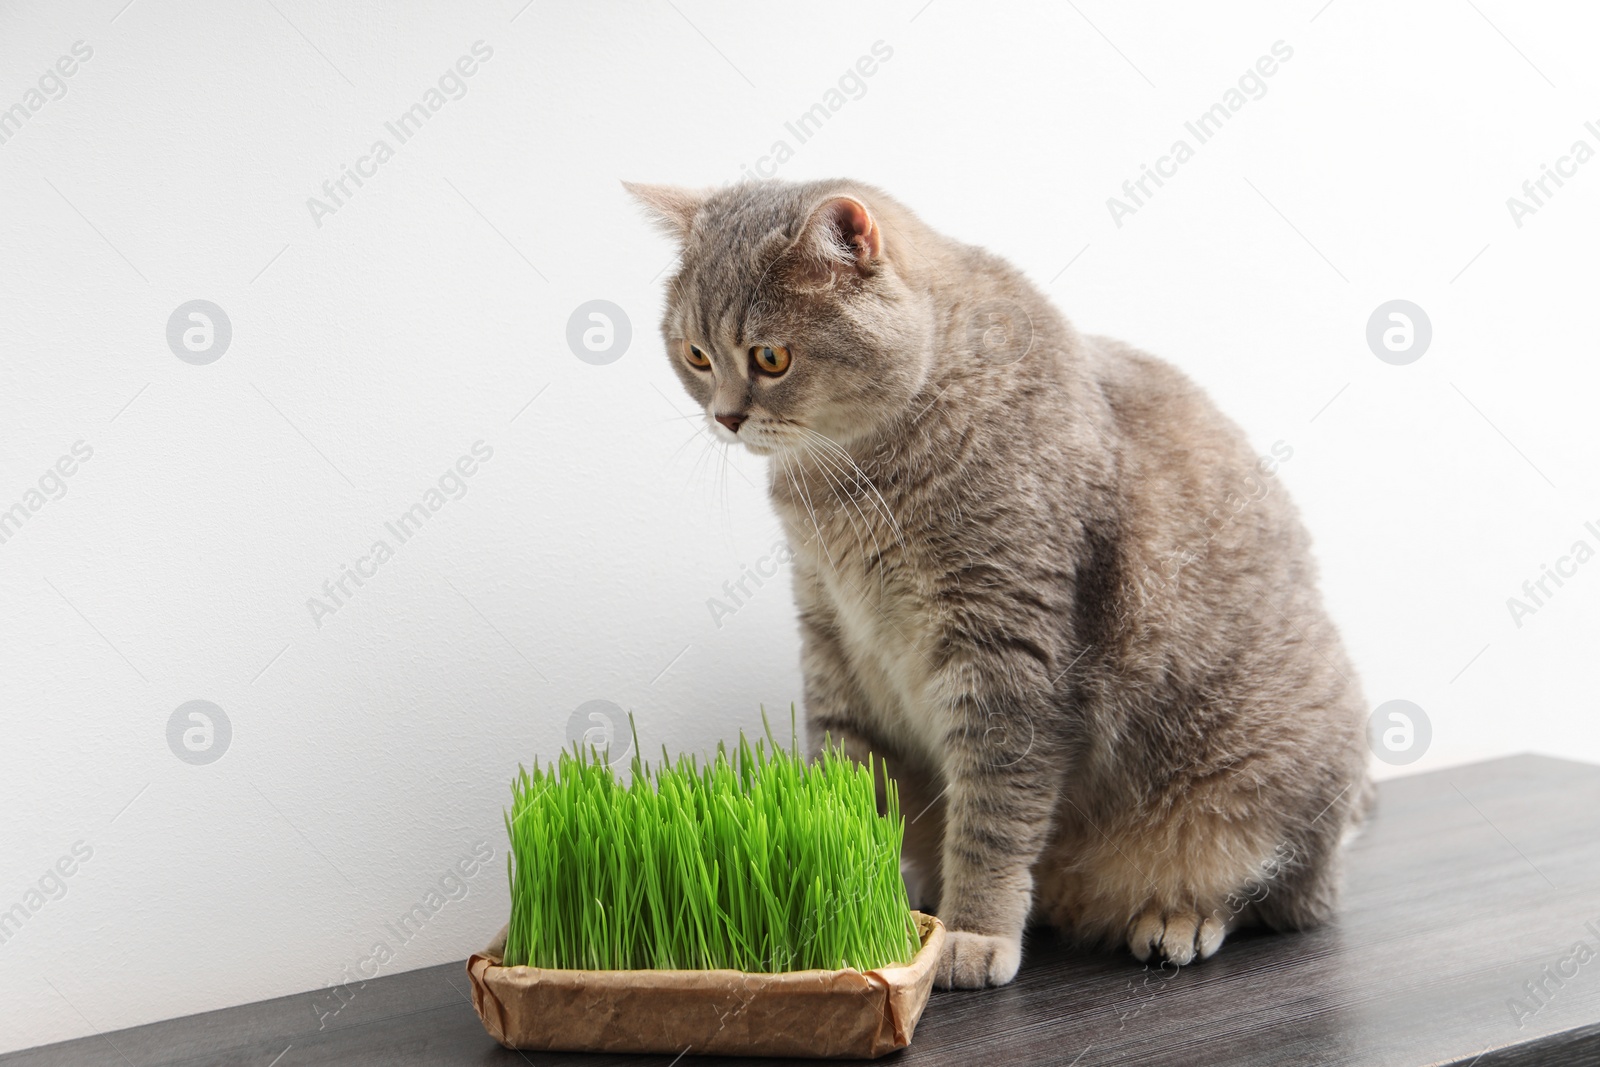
(1038,572)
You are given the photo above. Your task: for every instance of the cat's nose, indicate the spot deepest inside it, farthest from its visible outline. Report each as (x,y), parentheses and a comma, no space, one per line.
(732,422)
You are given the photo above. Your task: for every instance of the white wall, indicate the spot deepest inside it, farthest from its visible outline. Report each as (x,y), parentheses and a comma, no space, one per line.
(368,353)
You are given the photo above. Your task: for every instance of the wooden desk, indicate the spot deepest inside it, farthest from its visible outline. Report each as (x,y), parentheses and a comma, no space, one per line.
(1468,884)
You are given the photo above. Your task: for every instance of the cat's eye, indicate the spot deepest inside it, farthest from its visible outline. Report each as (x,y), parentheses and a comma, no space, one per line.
(694,357)
(770,359)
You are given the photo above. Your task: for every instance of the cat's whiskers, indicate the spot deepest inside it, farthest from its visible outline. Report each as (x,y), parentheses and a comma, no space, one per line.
(798,483)
(860,476)
(687,442)
(705,450)
(784,465)
(844,508)
(708,450)
(802,487)
(825,466)
(789,441)
(676,451)
(727,510)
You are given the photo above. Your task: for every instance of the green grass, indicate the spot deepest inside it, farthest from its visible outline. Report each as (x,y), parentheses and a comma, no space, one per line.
(760,862)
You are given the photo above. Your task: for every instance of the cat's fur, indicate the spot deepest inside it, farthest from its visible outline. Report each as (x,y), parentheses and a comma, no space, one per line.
(1038,572)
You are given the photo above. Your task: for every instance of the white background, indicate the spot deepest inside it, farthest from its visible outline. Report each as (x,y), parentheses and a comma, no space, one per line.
(368,353)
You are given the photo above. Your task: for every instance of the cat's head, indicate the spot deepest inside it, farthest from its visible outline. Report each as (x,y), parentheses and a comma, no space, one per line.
(793,311)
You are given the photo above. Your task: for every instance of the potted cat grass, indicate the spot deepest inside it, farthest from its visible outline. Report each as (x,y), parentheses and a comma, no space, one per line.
(752,905)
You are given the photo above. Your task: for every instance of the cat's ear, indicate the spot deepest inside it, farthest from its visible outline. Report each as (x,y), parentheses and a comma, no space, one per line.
(672,208)
(841,237)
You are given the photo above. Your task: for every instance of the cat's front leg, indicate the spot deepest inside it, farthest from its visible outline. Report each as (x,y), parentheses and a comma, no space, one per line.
(1002,778)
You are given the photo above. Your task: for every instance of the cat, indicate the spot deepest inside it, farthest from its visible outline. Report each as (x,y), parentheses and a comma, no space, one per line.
(1037,572)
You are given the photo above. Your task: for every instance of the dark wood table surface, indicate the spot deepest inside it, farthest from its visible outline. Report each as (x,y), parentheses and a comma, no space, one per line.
(1466,886)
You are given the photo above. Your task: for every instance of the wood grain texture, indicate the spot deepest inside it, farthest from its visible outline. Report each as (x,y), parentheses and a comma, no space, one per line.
(1466,885)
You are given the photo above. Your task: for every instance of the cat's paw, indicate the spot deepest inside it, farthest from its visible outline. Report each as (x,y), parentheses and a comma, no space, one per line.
(1176,936)
(973,961)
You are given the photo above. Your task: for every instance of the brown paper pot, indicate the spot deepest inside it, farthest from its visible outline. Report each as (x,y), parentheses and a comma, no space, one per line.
(844,1014)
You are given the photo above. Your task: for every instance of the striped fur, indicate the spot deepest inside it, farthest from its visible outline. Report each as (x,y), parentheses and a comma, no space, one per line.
(1038,572)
